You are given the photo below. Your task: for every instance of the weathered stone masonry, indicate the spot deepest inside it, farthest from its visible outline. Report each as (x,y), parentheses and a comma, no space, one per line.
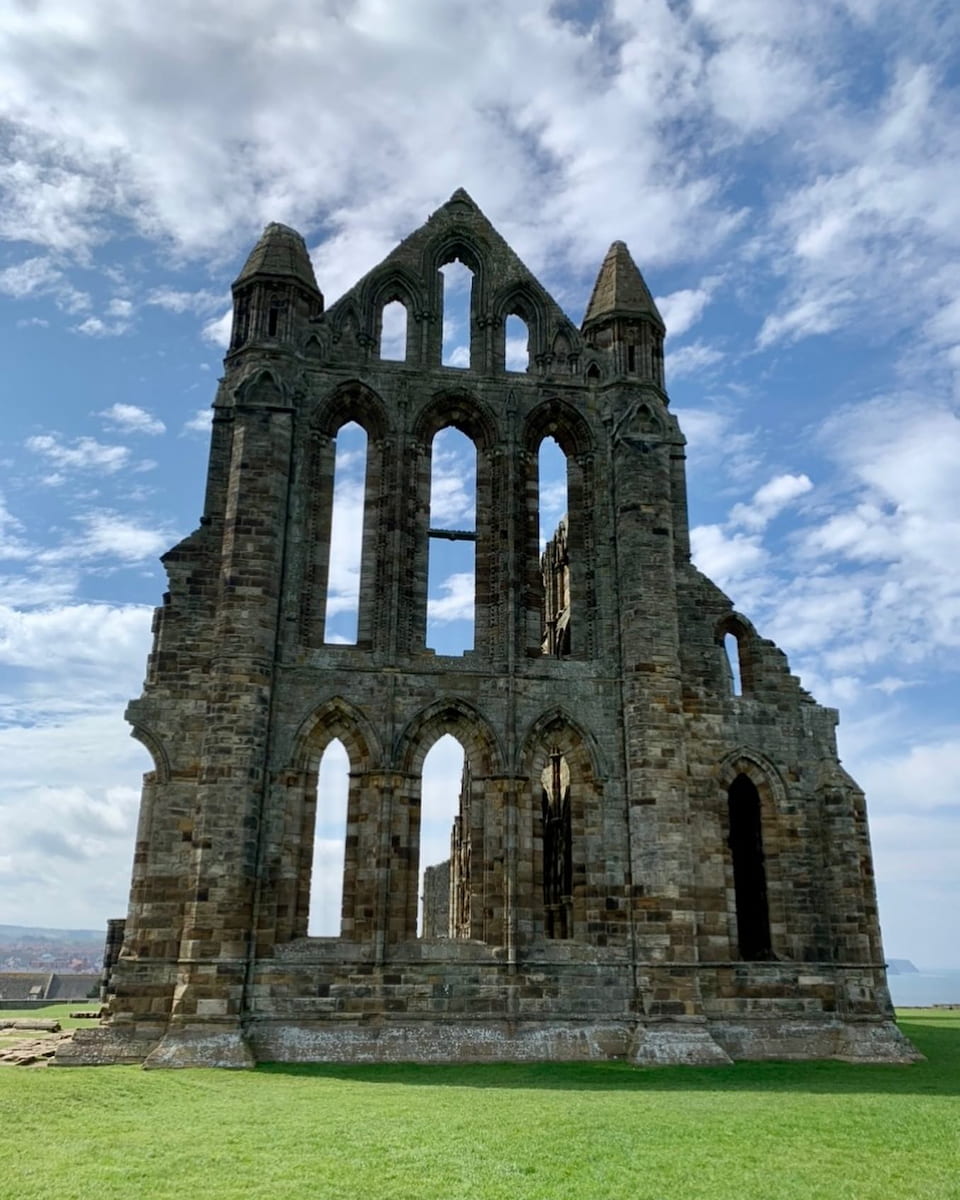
(645,864)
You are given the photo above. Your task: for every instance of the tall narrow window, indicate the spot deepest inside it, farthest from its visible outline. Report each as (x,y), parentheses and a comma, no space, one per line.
(346,541)
(329,842)
(554,561)
(451,588)
(749,871)
(516,344)
(557,847)
(393,332)
(457,296)
(439,810)
(731,644)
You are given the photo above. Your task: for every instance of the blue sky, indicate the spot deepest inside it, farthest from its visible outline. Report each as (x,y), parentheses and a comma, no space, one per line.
(788,178)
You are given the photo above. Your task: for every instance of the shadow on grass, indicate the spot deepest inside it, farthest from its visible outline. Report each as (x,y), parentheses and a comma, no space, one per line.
(938,1076)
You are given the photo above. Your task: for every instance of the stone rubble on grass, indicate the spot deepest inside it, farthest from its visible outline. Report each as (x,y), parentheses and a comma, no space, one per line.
(44,1024)
(34,1052)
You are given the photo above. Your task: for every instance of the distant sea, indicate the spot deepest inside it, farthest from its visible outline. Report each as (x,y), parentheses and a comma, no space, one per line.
(932,985)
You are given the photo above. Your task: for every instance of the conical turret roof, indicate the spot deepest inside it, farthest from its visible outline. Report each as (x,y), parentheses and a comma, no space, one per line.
(281,251)
(620,290)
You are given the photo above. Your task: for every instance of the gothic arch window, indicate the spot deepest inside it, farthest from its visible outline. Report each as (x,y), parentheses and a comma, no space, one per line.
(327,882)
(735,639)
(556,833)
(516,350)
(393,324)
(329,842)
(444,852)
(558,480)
(338,588)
(447,755)
(341,616)
(457,292)
(452,538)
(448,501)
(558,617)
(731,646)
(745,843)
(565,801)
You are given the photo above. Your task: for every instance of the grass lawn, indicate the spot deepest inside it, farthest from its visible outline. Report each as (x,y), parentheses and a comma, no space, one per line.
(753,1131)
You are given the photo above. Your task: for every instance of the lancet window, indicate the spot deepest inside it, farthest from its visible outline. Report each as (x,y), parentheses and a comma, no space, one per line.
(749,870)
(557,847)
(452,536)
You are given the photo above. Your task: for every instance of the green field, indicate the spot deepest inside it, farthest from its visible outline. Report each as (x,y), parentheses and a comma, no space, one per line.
(753,1131)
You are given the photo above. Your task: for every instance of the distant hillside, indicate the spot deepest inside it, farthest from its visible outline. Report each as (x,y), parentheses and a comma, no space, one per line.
(901,966)
(31,948)
(34,933)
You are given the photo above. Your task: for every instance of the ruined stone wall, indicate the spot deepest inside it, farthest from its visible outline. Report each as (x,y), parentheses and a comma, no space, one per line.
(605,912)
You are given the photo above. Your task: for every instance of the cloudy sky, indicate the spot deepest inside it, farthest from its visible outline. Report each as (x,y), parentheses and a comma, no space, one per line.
(787,176)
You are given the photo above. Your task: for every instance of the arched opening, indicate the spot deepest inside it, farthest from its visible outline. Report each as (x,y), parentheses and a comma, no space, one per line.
(554,541)
(749,870)
(731,646)
(452,536)
(329,843)
(457,302)
(443,882)
(346,547)
(557,843)
(516,351)
(393,332)
(593,373)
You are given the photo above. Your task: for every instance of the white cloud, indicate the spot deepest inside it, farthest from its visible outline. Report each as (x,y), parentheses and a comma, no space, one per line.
(691,359)
(452,481)
(97,327)
(99,635)
(770,500)
(109,534)
(200,422)
(83,454)
(455,599)
(130,418)
(217,331)
(179,301)
(725,557)
(681,310)
(31,275)
(69,805)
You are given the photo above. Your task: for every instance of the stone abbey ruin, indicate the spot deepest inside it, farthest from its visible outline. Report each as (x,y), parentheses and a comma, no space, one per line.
(648,862)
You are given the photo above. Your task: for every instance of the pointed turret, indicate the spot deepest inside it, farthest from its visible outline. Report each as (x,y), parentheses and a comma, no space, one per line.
(622,318)
(276,291)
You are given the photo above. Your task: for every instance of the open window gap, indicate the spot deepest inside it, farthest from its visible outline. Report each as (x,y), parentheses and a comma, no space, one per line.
(554,541)
(749,871)
(393,332)
(731,645)
(516,350)
(346,540)
(329,843)
(457,296)
(442,780)
(557,847)
(451,568)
